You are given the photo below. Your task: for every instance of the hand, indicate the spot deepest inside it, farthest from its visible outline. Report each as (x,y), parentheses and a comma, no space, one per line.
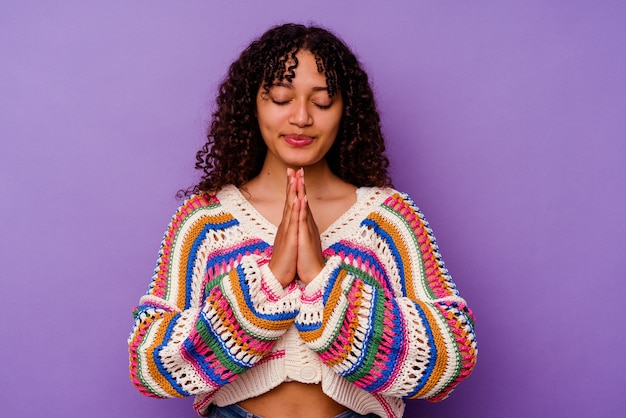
(297,247)
(285,254)
(310,260)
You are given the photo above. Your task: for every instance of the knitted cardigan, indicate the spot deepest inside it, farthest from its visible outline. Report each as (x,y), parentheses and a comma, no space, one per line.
(383,321)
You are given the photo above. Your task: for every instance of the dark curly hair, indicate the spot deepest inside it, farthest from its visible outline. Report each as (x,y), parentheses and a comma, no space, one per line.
(234,152)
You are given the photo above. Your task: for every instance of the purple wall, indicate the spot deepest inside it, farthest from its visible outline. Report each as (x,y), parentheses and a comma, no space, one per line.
(506,122)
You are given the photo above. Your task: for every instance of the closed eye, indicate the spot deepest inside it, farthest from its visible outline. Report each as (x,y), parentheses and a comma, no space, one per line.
(280,102)
(285,102)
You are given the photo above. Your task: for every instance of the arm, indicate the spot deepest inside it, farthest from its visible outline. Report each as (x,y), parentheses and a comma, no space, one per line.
(213,309)
(384,312)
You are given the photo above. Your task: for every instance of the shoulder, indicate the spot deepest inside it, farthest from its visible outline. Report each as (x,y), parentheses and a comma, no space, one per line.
(392,209)
(195,210)
(385,198)
(208,200)
(195,203)
(197,215)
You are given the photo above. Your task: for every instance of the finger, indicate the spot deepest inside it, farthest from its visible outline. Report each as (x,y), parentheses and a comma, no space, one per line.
(292,198)
(307,223)
(291,174)
(290,193)
(283,262)
(307,220)
(303,215)
(295,214)
(300,184)
(310,258)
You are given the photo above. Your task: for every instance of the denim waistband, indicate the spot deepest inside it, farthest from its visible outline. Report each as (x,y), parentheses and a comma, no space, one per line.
(235,411)
(230,411)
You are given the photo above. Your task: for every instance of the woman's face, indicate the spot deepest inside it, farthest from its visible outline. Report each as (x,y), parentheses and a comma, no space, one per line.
(298,120)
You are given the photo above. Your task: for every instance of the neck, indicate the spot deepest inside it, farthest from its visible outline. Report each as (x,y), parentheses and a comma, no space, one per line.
(273,178)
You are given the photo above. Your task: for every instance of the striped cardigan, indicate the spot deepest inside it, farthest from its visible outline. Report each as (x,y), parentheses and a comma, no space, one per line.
(382,322)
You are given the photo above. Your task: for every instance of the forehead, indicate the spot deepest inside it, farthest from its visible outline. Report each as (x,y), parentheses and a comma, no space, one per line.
(299,65)
(290,59)
(305,70)
(298,62)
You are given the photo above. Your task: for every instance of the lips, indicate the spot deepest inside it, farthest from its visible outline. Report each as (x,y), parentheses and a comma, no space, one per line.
(298,140)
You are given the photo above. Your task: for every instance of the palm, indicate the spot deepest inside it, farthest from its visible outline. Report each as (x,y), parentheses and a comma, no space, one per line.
(297,249)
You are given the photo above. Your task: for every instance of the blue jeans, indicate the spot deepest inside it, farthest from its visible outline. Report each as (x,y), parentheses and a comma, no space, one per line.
(235,411)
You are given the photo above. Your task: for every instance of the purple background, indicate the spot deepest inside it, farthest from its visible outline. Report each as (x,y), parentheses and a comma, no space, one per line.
(505,122)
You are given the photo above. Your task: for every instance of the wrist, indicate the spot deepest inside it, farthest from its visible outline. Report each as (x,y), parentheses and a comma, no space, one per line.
(284,278)
(308,276)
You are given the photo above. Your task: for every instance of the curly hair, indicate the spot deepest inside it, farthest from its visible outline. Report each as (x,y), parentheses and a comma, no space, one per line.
(235,151)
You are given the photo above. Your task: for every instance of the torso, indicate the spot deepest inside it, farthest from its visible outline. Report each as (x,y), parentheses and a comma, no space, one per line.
(326,209)
(294,400)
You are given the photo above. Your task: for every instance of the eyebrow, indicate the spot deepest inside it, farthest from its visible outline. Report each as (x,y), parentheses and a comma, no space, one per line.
(290,86)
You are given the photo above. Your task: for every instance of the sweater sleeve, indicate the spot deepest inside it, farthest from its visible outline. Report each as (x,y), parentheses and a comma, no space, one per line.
(384,312)
(213,308)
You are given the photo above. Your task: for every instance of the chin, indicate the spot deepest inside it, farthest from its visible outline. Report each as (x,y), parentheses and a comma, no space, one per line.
(301,161)
(298,163)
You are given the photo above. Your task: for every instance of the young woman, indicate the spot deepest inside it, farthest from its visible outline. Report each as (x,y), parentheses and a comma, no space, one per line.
(294,281)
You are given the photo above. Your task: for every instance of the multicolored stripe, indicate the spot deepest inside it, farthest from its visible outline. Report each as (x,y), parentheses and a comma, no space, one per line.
(213,276)
(384,314)
(365,332)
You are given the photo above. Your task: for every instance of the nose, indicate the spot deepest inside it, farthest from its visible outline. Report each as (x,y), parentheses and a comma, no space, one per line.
(301,116)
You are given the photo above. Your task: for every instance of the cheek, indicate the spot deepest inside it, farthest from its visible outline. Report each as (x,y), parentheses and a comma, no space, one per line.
(269,117)
(336,116)
(263,119)
(334,121)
